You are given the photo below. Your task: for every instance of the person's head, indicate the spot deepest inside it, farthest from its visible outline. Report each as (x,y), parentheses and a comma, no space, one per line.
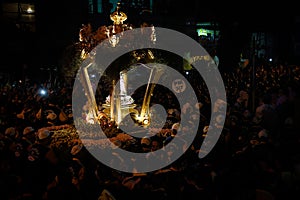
(155,145)
(43,136)
(76,149)
(29,133)
(213,52)
(11,132)
(146,144)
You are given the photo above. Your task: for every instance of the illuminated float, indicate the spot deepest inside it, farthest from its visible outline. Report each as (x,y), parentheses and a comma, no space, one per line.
(118,104)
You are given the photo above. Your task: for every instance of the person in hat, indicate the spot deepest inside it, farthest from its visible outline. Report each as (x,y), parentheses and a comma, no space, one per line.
(11,132)
(23,144)
(13,142)
(29,135)
(41,164)
(146,144)
(44,136)
(76,149)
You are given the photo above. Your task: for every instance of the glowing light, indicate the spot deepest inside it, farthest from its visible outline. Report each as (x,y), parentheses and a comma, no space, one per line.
(43,92)
(146,121)
(29,10)
(90,118)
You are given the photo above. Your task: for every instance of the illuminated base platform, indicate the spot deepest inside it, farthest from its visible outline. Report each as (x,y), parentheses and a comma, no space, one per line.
(118,114)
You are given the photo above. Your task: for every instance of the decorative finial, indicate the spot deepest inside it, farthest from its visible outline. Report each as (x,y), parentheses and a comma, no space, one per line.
(117,16)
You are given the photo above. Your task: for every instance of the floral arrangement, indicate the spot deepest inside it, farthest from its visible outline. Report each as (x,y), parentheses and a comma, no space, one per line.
(64,138)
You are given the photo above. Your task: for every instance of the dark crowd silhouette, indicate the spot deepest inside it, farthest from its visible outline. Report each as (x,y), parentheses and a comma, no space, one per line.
(256,156)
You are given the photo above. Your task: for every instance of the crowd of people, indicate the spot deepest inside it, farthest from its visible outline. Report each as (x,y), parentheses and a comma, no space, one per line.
(43,156)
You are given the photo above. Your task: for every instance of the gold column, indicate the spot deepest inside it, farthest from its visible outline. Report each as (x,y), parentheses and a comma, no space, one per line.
(112,103)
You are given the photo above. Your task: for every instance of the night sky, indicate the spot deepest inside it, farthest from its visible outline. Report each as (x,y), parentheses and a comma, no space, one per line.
(58,24)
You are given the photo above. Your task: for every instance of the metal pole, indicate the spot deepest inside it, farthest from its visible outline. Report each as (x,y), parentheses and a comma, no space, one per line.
(253,73)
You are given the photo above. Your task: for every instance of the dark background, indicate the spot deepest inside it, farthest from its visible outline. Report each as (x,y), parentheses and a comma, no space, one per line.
(57,24)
